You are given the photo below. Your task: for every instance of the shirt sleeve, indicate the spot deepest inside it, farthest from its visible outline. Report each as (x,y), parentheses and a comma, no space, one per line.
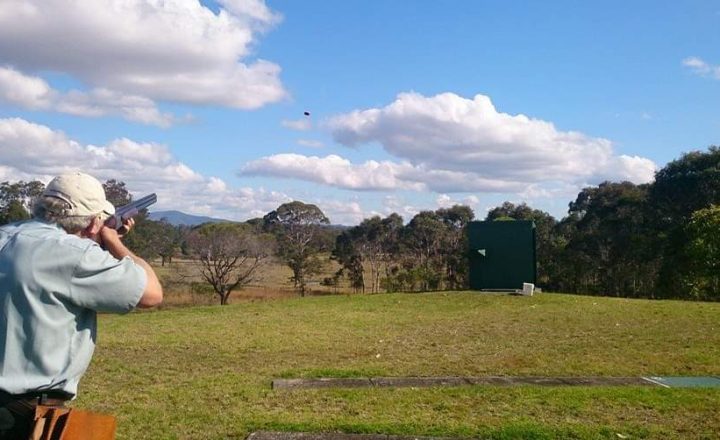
(103,283)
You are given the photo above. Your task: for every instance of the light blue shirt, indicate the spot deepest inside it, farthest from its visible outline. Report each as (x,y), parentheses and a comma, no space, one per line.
(51,285)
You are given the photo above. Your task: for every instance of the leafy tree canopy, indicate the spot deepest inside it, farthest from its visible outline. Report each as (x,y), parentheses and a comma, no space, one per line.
(15,199)
(296,213)
(686,185)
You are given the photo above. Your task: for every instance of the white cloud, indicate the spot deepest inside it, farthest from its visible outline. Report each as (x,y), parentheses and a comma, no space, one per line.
(101,102)
(216,185)
(177,50)
(372,175)
(631,168)
(31,151)
(310,143)
(34,93)
(397,205)
(254,12)
(700,67)
(345,213)
(444,201)
(471,200)
(456,144)
(332,170)
(297,124)
(25,91)
(37,149)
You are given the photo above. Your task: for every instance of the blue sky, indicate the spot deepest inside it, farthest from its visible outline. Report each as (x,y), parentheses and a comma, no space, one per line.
(413,104)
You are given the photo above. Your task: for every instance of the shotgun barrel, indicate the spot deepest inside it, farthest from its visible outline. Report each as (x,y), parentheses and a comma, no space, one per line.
(130,210)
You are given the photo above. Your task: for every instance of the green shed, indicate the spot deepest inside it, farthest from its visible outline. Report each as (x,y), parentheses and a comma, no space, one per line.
(501,254)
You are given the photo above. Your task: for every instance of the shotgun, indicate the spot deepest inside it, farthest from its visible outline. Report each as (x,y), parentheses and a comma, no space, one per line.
(130,210)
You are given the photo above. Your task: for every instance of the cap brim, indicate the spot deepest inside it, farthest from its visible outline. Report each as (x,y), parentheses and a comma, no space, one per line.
(108,209)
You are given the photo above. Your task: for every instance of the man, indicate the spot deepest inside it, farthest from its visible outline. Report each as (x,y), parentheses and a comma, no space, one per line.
(57,271)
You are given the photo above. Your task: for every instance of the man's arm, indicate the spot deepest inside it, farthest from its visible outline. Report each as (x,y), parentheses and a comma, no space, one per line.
(153,294)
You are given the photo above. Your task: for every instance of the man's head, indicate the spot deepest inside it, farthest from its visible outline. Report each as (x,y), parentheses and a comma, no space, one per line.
(76,201)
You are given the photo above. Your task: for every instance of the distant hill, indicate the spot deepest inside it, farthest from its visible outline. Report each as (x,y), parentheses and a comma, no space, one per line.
(180,218)
(176,218)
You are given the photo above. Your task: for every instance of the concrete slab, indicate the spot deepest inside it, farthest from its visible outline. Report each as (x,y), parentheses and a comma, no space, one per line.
(490,380)
(322,383)
(419,381)
(269,435)
(536,380)
(453,381)
(606,381)
(265,435)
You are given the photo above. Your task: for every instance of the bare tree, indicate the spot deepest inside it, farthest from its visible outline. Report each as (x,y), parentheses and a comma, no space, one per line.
(230,255)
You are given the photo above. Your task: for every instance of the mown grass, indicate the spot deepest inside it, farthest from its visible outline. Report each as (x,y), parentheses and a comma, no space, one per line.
(205,372)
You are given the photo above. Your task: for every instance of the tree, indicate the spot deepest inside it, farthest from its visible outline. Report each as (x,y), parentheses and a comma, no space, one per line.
(682,187)
(230,255)
(372,242)
(15,199)
(349,259)
(703,253)
(296,224)
(422,239)
(686,185)
(610,243)
(152,239)
(455,244)
(116,193)
(168,241)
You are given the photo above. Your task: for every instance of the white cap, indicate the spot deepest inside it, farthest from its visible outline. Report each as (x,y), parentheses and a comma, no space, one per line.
(83,192)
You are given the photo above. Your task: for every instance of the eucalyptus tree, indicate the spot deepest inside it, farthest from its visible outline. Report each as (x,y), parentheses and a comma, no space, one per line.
(350,260)
(372,243)
(16,198)
(681,188)
(422,241)
(611,243)
(116,192)
(297,227)
(454,244)
(703,253)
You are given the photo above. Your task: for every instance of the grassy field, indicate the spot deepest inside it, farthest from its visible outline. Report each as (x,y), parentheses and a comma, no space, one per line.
(205,372)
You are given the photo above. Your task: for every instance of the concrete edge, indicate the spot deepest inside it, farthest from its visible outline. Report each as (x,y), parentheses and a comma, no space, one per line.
(276,435)
(451,381)
(323,382)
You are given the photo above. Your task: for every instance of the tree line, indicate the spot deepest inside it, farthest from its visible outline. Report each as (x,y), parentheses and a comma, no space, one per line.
(657,240)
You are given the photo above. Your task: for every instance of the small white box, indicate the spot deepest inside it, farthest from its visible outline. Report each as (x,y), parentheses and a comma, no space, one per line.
(528,289)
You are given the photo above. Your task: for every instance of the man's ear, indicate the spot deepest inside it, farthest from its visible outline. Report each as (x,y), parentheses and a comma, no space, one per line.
(93,228)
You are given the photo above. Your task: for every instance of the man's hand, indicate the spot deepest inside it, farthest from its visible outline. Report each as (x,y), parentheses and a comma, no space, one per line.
(128,224)
(110,241)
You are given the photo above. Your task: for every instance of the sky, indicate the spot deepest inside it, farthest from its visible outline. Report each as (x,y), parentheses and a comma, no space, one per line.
(230,108)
